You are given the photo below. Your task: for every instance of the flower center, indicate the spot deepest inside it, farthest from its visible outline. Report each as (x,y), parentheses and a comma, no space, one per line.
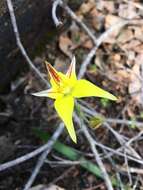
(67,90)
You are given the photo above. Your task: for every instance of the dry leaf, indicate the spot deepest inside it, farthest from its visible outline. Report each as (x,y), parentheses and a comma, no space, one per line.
(87,6)
(88,44)
(138,33)
(97,19)
(99,61)
(131,45)
(109,6)
(127,11)
(117,57)
(111,20)
(131,56)
(60,64)
(123,76)
(65,44)
(125,36)
(139,49)
(135,84)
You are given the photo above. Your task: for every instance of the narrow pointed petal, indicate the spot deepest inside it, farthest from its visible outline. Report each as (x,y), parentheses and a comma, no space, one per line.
(64,107)
(85,88)
(53,73)
(71,70)
(47,93)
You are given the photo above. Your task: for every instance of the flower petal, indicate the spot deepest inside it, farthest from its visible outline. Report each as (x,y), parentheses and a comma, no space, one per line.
(84,88)
(64,107)
(48,93)
(53,74)
(71,70)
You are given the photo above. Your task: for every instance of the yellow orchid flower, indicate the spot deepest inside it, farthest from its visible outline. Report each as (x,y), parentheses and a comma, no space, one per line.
(66,87)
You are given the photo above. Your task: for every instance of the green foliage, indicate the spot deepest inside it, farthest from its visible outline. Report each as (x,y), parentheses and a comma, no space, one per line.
(105,102)
(133,125)
(96,122)
(74,155)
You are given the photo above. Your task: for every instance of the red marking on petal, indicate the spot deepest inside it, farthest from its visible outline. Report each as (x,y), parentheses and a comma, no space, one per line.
(71,68)
(53,73)
(70,71)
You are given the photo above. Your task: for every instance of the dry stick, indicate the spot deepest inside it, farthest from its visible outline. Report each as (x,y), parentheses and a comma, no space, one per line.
(34,153)
(99,41)
(126,122)
(93,113)
(118,153)
(122,141)
(40,162)
(95,152)
(19,43)
(72,15)
(113,164)
(57,22)
(106,122)
(78,21)
(127,166)
(135,138)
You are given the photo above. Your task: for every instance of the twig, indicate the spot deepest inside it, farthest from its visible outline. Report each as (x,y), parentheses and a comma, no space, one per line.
(19,43)
(99,41)
(136,182)
(34,153)
(131,169)
(117,152)
(57,22)
(93,113)
(124,144)
(78,21)
(95,152)
(124,121)
(64,162)
(122,141)
(42,158)
(128,170)
(115,169)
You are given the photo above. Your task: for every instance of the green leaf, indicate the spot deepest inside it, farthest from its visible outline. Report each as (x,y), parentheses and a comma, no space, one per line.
(74,155)
(133,124)
(105,102)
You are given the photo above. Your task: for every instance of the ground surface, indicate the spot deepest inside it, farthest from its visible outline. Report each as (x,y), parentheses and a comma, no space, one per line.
(117,67)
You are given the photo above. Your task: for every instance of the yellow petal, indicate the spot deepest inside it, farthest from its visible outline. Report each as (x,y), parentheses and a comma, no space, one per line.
(64,107)
(71,70)
(55,78)
(84,88)
(48,93)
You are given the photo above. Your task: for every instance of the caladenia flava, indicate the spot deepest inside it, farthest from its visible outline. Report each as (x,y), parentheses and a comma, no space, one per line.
(65,88)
